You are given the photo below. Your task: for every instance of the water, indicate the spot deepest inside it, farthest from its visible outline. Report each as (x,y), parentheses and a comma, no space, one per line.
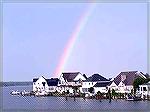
(53,104)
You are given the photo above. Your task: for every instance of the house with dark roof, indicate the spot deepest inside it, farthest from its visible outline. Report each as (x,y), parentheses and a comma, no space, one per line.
(42,86)
(123,82)
(97,82)
(101,86)
(69,80)
(52,84)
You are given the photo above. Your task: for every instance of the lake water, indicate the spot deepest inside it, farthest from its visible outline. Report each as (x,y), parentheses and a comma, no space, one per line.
(56,104)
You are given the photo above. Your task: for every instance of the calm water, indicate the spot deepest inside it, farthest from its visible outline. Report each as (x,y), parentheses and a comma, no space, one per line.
(51,104)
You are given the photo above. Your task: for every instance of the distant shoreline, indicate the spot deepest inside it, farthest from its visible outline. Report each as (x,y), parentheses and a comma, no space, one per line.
(23,83)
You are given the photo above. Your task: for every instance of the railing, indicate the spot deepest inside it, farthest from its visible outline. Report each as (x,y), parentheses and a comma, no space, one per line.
(72,84)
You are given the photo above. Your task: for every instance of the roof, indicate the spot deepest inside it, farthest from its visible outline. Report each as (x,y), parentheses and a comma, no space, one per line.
(85,76)
(35,79)
(96,78)
(101,84)
(129,77)
(52,81)
(109,83)
(70,76)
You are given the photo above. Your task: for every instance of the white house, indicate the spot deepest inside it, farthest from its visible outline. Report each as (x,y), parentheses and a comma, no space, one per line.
(97,82)
(68,80)
(145,90)
(40,84)
(52,84)
(123,83)
(101,86)
(43,86)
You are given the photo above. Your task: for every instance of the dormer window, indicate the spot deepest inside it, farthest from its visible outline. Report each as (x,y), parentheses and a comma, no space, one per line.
(59,82)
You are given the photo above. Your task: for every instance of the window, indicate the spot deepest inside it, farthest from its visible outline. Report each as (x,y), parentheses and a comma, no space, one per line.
(85,89)
(92,83)
(144,89)
(149,88)
(89,83)
(59,82)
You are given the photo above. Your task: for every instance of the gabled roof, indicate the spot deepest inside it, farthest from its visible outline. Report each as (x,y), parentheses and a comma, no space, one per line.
(130,76)
(101,84)
(70,76)
(85,76)
(96,78)
(35,79)
(52,81)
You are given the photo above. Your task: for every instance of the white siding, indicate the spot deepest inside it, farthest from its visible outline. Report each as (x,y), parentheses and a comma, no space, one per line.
(38,86)
(79,76)
(101,89)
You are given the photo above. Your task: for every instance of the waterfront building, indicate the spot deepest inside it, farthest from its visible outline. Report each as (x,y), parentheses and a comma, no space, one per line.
(44,86)
(97,82)
(101,86)
(123,83)
(144,90)
(70,80)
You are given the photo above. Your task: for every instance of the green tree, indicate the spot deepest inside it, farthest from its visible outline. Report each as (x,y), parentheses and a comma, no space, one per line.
(114,93)
(138,81)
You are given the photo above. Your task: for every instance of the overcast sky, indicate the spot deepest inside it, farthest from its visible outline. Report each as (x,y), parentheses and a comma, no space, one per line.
(114,39)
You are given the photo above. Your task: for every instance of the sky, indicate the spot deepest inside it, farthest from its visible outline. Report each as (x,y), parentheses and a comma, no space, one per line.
(111,38)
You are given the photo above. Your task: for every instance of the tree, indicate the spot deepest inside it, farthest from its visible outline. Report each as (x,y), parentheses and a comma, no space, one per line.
(147,80)
(109,95)
(99,95)
(138,81)
(114,93)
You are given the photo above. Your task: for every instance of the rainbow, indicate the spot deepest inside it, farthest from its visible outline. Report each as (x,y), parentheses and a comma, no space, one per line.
(72,40)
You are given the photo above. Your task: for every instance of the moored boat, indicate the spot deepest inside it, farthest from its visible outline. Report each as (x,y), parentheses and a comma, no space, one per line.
(15,92)
(24,93)
(42,93)
(133,98)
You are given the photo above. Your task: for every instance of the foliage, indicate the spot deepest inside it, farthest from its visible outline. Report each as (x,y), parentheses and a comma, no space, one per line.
(147,80)
(138,81)
(113,92)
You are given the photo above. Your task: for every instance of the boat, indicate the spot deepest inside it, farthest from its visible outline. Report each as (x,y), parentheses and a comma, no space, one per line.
(41,93)
(133,98)
(25,93)
(15,92)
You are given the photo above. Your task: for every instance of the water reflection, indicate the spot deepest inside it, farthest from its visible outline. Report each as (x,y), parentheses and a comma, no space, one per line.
(46,104)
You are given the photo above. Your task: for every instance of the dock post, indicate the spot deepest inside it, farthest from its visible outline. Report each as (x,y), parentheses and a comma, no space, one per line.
(66,97)
(74,96)
(109,95)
